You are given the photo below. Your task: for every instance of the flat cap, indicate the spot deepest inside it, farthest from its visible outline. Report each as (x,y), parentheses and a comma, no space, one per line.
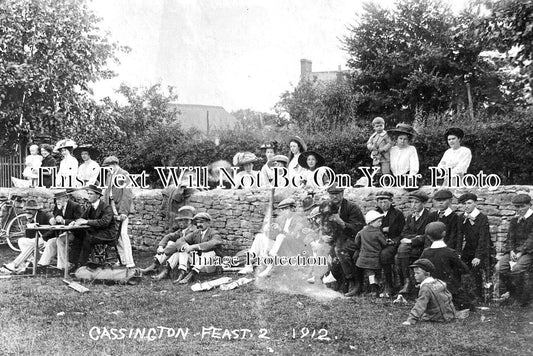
(202,216)
(425,264)
(435,229)
(334,189)
(285,203)
(185,213)
(467,196)
(419,195)
(521,199)
(443,194)
(383,194)
(109,161)
(61,193)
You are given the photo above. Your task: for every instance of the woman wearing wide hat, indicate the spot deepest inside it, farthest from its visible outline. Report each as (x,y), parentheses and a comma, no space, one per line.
(68,167)
(246,161)
(87,171)
(457,157)
(310,161)
(297,146)
(267,173)
(403,155)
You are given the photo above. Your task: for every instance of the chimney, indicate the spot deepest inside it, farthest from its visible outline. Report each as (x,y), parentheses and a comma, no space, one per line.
(306,67)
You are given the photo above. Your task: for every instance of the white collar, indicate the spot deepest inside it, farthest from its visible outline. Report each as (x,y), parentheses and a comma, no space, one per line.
(529,212)
(447,212)
(438,244)
(427,280)
(96,204)
(383,133)
(473,214)
(419,214)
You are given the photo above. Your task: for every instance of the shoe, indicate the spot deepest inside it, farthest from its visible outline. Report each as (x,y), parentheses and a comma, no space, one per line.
(181,275)
(162,275)
(311,280)
(405,288)
(266,271)
(246,270)
(191,277)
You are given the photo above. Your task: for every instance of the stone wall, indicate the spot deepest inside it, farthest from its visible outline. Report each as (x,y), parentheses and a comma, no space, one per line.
(239,214)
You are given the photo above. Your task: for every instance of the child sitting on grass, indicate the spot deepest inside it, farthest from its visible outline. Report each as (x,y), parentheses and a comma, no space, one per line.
(434,301)
(368,244)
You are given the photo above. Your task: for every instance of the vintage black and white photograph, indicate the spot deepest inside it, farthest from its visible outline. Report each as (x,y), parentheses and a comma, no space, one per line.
(250,177)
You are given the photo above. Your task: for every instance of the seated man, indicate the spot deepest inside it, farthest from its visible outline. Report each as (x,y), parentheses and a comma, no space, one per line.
(167,246)
(99,216)
(204,242)
(515,265)
(434,301)
(65,212)
(27,244)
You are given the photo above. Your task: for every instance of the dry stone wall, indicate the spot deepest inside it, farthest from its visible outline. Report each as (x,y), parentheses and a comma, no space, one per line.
(238,214)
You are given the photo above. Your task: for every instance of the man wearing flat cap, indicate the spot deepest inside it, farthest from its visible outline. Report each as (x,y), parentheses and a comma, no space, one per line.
(349,221)
(515,265)
(99,216)
(391,226)
(413,239)
(121,201)
(442,201)
(167,250)
(205,241)
(475,232)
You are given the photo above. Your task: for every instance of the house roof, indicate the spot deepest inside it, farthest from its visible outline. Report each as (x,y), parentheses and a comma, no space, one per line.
(198,116)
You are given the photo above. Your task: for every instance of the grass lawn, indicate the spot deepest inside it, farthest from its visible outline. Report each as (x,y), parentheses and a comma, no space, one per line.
(42,316)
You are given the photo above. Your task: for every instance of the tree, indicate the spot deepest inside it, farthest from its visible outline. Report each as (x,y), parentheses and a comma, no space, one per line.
(51,50)
(249,119)
(419,57)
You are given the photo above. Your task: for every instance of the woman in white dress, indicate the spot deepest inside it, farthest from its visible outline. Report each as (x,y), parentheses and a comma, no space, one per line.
(457,157)
(297,147)
(311,161)
(89,170)
(267,173)
(246,161)
(68,167)
(403,156)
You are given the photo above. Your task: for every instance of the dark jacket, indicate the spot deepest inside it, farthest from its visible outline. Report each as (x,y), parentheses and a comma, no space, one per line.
(353,218)
(448,266)
(49,161)
(520,236)
(369,242)
(416,231)
(452,221)
(434,303)
(395,221)
(42,218)
(476,235)
(174,237)
(211,241)
(72,212)
(102,222)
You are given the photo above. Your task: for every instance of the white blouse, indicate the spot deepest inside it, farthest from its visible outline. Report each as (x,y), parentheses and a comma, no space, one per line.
(456,159)
(404,161)
(68,167)
(294,168)
(88,172)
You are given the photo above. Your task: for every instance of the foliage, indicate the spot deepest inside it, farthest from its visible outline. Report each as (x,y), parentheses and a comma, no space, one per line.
(249,119)
(50,50)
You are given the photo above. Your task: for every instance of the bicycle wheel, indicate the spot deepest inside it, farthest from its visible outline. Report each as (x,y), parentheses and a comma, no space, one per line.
(16,229)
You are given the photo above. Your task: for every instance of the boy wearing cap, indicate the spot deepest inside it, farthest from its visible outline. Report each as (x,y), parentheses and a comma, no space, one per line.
(442,201)
(379,145)
(413,239)
(392,226)
(27,244)
(518,252)
(475,231)
(434,301)
(121,201)
(205,241)
(167,249)
(369,242)
(65,212)
(448,265)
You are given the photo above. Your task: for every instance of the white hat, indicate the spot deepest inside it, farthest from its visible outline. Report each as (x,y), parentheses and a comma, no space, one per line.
(372,215)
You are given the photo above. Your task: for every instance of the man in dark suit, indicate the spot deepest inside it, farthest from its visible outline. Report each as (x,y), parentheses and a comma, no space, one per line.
(349,220)
(99,216)
(413,239)
(392,226)
(205,242)
(65,212)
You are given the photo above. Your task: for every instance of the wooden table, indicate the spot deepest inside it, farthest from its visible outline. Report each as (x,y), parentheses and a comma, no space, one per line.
(57,228)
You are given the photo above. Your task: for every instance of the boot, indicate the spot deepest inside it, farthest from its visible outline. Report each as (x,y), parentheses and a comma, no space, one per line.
(374,288)
(406,286)
(181,275)
(387,271)
(151,268)
(191,277)
(163,274)
(526,294)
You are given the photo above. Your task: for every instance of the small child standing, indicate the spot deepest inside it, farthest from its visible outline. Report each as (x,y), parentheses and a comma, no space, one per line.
(379,145)
(434,301)
(368,245)
(33,162)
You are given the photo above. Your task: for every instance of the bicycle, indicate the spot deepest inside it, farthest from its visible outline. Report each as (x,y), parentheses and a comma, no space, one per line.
(13,221)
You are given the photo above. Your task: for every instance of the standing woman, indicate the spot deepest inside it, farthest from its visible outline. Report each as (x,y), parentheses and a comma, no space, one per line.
(297,147)
(48,161)
(267,173)
(89,170)
(457,157)
(68,167)
(246,161)
(403,156)
(310,161)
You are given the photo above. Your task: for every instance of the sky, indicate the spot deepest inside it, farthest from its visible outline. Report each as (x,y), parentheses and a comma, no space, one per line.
(238,54)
